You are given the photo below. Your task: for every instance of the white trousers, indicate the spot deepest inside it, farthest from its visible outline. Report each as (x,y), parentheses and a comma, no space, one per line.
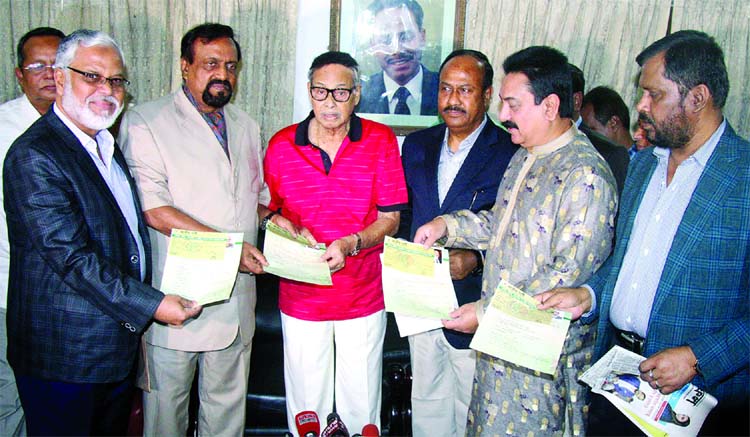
(343,357)
(442,378)
(222,390)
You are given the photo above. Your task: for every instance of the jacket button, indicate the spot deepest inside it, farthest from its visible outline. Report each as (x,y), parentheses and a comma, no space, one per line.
(134,259)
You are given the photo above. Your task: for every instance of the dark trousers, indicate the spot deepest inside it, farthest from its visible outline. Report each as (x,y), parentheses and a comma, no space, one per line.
(71,409)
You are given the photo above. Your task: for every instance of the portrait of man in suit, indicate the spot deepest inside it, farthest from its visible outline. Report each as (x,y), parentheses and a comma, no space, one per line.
(405,86)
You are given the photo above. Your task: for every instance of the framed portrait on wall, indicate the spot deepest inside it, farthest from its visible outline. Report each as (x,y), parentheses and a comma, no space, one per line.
(399,45)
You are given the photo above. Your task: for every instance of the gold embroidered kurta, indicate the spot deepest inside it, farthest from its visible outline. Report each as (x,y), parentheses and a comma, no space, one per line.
(551,226)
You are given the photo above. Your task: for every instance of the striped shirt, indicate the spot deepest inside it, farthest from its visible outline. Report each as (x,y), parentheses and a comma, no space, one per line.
(365,177)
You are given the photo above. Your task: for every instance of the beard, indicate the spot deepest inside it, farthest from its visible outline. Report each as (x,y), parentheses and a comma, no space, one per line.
(220,99)
(83,114)
(673,133)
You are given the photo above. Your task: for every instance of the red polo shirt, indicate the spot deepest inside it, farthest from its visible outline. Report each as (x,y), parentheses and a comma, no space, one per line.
(333,200)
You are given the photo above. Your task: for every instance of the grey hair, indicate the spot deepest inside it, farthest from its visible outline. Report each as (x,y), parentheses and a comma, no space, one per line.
(68,47)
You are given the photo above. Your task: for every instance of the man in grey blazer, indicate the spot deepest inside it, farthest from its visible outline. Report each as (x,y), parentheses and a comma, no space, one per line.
(80,253)
(197,161)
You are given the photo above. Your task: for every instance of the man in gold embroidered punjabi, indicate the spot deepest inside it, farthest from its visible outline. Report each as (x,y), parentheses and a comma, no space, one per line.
(552,224)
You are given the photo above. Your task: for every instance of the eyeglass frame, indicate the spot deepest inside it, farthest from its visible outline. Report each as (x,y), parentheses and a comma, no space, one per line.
(37,67)
(98,79)
(330,91)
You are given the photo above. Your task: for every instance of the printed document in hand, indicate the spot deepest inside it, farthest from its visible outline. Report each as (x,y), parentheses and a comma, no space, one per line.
(201,266)
(680,413)
(293,258)
(513,329)
(417,285)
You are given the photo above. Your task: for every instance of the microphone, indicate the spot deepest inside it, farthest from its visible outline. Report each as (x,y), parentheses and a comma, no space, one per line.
(368,430)
(335,427)
(307,423)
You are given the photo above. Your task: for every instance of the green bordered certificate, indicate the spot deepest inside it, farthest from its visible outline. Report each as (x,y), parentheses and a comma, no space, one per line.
(513,329)
(292,257)
(201,266)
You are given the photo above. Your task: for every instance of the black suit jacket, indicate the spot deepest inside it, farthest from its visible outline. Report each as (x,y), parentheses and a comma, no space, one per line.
(76,306)
(374,101)
(475,187)
(617,157)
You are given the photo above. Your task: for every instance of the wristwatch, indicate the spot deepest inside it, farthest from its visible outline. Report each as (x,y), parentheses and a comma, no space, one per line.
(266,219)
(357,247)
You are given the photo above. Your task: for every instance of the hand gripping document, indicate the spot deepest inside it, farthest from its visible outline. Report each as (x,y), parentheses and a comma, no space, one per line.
(417,285)
(513,329)
(616,377)
(201,266)
(293,258)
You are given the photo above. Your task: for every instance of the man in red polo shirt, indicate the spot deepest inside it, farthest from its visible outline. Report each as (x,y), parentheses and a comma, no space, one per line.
(340,177)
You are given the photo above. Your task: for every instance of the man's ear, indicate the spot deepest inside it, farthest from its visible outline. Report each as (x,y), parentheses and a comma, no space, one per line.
(19,75)
(577,101)
(357,93)
(59,75)
(614,122)
(551,106)
(184,68)
(487,98)
(698,97)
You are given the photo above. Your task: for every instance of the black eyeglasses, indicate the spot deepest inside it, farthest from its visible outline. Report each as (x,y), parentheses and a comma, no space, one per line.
(117,83)
(320,93)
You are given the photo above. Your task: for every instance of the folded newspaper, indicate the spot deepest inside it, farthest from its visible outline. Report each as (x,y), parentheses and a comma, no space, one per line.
(616,377)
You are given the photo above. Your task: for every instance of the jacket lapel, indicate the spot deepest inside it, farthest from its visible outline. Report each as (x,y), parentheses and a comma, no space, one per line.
(475,161)
(432,160)
(192,121)
(708,197)
(81,156)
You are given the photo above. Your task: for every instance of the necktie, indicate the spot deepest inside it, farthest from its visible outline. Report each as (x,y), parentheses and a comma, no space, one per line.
(401,95)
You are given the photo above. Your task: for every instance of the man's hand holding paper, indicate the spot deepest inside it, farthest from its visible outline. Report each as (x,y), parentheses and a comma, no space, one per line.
(290,256)
(416,280)
(202,266)
(513,329)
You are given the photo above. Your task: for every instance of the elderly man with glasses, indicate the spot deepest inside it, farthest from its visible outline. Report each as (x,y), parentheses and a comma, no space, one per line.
(338,178)
(77,293)
(35,54)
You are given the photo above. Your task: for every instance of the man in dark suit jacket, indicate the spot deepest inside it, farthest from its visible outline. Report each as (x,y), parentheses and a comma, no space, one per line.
(452,166)
(375,99)
(617,157)
(404,86)
(79,253)
(676,287)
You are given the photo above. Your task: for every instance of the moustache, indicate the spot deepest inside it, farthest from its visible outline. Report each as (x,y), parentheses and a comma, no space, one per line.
(400,56)
(509,125)
(454,108)
(642,117)
(225,83)
(109,99)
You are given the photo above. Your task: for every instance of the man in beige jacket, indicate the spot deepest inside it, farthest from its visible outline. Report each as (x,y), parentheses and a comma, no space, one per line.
(197,162)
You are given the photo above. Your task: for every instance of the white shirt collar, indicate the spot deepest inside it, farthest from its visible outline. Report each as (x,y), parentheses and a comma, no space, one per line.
(414,86)
(104,139)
